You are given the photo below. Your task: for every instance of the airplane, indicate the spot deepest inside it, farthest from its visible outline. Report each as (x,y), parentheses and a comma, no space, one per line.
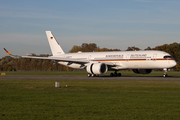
(97,63)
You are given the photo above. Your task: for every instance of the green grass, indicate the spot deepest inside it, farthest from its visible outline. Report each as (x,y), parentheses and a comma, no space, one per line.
(84,73)
(89,99)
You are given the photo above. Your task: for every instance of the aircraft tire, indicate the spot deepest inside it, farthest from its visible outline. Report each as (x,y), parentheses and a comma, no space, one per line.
(89,75)
(119,74)
(165,75)
(93,75)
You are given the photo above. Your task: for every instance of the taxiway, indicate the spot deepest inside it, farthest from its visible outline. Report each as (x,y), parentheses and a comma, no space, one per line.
(90,78)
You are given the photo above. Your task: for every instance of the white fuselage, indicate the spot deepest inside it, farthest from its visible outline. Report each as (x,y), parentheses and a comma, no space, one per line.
(124,59)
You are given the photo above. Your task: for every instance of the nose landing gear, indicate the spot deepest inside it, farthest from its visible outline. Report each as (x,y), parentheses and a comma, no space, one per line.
(165,72)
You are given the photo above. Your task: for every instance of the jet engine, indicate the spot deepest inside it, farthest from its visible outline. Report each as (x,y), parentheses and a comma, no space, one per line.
(97,68)
(142,71)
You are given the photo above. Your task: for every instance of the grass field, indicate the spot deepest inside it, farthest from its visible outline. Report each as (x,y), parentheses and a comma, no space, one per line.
(89,100)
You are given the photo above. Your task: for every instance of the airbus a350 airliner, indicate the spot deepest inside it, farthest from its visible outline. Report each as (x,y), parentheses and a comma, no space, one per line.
(96,63)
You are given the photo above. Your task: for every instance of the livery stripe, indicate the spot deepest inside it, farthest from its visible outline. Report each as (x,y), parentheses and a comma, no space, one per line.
(133,60)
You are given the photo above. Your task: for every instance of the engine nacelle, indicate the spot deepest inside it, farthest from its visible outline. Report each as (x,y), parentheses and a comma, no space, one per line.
(142,71)
(97,68)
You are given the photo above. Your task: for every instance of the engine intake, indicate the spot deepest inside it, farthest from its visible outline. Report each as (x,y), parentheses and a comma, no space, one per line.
(142,71)
(97,68)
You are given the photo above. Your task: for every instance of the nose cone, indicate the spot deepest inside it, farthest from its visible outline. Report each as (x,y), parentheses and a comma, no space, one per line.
(173,63)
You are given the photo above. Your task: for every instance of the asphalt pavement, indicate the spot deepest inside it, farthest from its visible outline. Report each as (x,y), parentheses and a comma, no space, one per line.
(89,78)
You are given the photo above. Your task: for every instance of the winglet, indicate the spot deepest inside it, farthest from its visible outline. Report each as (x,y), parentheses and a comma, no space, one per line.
(7,52)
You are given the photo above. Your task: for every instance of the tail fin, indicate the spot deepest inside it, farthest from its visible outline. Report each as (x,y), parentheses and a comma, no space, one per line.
(54,45)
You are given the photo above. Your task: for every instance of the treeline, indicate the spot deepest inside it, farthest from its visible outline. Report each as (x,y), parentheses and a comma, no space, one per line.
(91,47)
(8,63)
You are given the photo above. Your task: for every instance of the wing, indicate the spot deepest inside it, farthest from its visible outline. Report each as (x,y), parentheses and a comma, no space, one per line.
(111,65)
(73,60)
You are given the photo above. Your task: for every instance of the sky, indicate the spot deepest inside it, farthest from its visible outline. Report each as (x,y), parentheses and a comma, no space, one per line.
(114,24)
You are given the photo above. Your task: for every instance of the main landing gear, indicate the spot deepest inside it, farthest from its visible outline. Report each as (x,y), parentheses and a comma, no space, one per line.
(92,75)
(115,74)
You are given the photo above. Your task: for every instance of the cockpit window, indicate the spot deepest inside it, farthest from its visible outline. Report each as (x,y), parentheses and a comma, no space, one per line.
(168,57)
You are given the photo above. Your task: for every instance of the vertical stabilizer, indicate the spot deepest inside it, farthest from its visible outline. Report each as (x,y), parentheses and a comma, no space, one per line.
(54,45)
